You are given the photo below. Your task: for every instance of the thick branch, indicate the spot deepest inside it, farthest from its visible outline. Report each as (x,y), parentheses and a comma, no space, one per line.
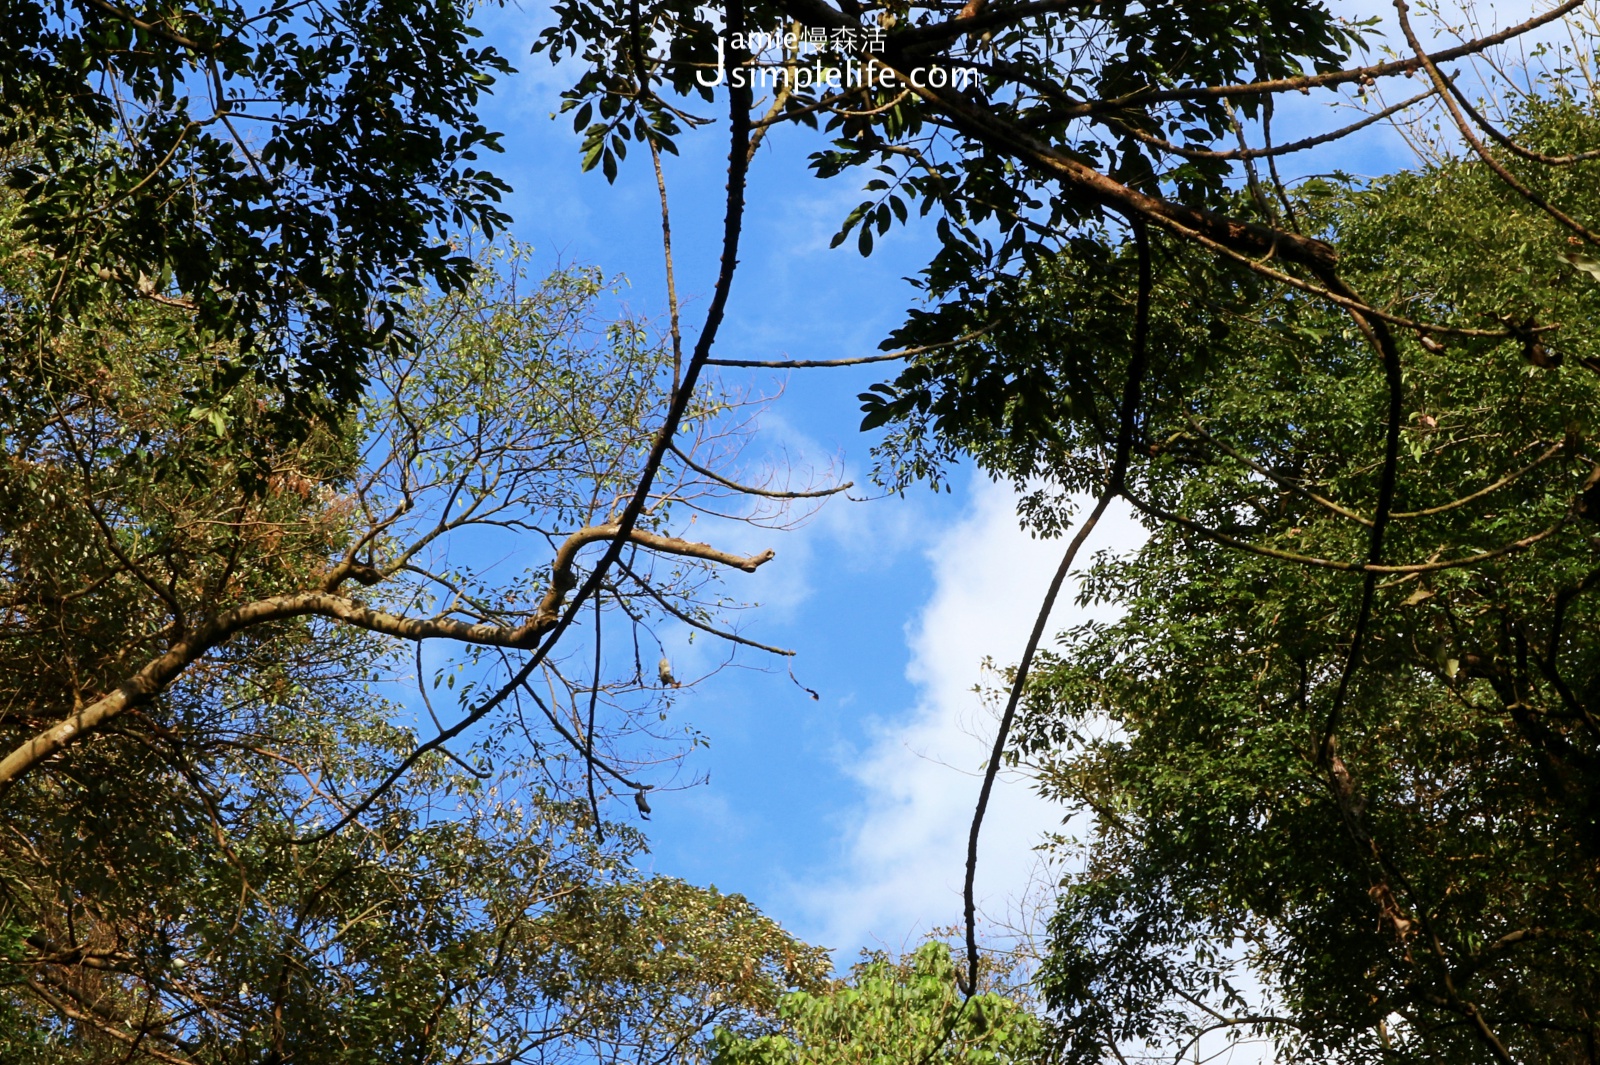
(563,581)
(212,632)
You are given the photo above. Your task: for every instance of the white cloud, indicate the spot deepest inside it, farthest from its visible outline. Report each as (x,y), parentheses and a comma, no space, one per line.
(903,846)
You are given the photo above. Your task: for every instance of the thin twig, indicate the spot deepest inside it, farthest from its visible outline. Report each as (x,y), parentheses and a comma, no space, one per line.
(1113,488)
(904,353)
(1527,193)
(751,489)
(588,734)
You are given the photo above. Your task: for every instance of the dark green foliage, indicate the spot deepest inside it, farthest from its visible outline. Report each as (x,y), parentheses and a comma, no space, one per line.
(1448,902)
(1049,73)
(281,169)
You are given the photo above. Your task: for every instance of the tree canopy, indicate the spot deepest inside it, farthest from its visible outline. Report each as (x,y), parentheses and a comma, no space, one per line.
(1337,762)
(889,1012)
(280,170)
(1394,862)
(267,402)
(224,839)
(1344,739)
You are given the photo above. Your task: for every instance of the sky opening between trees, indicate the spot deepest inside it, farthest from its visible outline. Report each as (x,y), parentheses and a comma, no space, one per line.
(297,441)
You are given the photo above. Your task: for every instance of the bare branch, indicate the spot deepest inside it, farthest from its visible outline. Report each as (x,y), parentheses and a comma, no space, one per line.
(803,364)
(1439,81)
(689,619)
(747,489)
(1114,486)
(158,674)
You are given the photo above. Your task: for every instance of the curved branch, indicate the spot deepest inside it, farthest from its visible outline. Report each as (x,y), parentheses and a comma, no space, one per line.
(751,489)
(1114,487)
(1282,482)
(156,676)
(1228,540)
(563,581)
(1249,243)
(1331,78)
(1292,147)
(1260,267)
(674,317)
(1340,782)
(159,29)
(826,103)
(588,734)
(904,353)
(1551,452)
(807,364)
(1512,146)
(1443,85)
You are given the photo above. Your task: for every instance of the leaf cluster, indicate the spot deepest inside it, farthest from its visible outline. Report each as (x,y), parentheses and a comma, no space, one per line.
(900,1011)
(1442,888)
(282,171)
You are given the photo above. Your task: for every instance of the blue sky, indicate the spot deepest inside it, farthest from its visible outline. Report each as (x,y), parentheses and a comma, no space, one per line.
(796,806)
(844,817)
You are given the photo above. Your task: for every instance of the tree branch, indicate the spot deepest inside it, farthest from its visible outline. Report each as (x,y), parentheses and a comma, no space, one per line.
(158,674)
(1113,488)
(767,493)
